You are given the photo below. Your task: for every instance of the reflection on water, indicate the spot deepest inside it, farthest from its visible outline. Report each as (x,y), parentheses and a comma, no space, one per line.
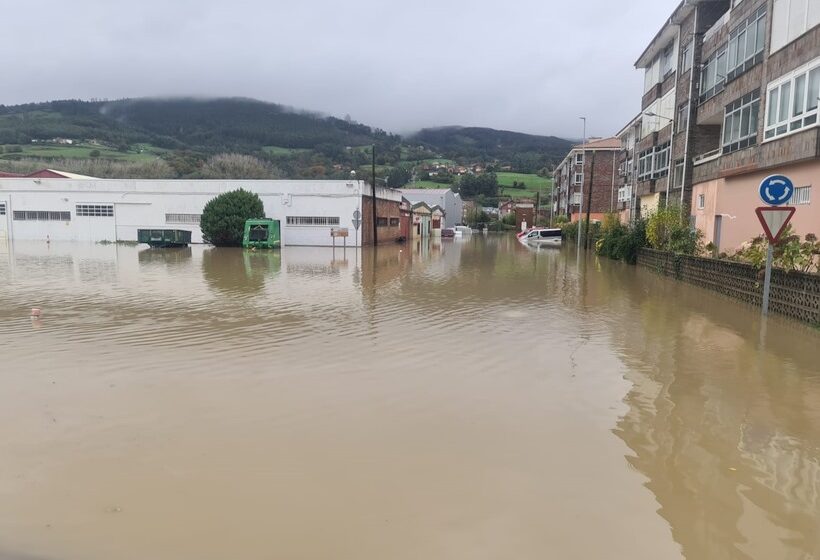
(462,399)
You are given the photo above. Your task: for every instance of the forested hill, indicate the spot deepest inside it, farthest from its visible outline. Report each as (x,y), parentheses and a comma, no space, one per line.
(487,144)
(211,125)
(300,143)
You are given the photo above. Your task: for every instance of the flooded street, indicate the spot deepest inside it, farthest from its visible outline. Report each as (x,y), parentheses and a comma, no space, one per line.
(469,400)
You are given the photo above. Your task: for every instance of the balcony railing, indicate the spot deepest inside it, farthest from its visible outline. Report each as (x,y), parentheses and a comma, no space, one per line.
(724,19)
(707,157)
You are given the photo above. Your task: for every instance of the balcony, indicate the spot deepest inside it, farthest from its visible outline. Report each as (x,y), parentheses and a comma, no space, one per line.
(707,157)
(718,25)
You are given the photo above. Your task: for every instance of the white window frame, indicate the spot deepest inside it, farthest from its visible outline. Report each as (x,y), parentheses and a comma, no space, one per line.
(777,124)
(687,57)
(717,65)
(661,160)
(740,123)
(668,61)
(576,199)
(41,216)
(94,210)
(782,9)
(579,158)
(181,218)
(701,201)
(578,179)
(739,40)
(802,195)
(2,208)
(312,221)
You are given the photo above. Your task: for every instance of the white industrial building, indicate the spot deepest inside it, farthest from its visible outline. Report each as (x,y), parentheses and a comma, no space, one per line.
(114,209)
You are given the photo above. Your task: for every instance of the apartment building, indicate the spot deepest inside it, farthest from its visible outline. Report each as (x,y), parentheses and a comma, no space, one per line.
(588,173)
(731,96)
(626,202)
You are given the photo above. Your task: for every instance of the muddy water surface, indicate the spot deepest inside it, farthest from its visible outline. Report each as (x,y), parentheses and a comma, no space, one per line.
(471,400)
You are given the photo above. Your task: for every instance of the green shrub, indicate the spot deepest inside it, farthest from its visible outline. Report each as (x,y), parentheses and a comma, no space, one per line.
(668,230)
(791,253)
(621,242)
(223,218)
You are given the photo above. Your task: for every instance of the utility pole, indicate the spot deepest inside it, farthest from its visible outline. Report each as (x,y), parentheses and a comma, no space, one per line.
(375,226)
(583,179)
(589,199)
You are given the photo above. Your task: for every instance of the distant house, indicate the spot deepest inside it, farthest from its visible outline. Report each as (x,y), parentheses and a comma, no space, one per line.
(450,201)
(524,215)
(437,216)
(506,208)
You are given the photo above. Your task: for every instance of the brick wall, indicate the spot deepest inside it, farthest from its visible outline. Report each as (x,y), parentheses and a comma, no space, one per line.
(603,177)
(384,209)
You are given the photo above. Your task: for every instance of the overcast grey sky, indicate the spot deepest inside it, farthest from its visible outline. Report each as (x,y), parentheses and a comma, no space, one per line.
(527,65)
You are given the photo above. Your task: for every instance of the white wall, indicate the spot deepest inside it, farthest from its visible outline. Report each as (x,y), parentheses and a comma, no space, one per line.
(144,203)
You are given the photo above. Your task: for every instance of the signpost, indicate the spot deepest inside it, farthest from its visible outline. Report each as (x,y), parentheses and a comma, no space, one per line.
(775,191)
(339,232)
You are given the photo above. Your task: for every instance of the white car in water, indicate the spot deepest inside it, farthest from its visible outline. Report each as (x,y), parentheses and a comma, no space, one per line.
(541,237)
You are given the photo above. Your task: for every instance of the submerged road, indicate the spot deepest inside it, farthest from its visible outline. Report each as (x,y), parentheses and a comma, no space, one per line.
(462,400)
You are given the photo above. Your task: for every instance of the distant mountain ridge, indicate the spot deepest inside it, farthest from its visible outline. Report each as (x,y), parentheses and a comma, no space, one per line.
(490,143)
(248,125)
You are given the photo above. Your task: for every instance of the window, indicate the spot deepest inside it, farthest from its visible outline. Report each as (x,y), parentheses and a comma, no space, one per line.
(683,117)
(713,78)
(792,18)
(686,57)
(576,198)
(659,114)
(579,158)
(41,216)
(381,222)
(668,60)
(661,161)
(96,210)
(746,44)
(312,221)
(2,208)
(183,218)
(701,201)
(792,101)
(394,222)
(802,195)
(625,194)
(645,162)
(740,123)
(652,75)
(678,177)
(579,178)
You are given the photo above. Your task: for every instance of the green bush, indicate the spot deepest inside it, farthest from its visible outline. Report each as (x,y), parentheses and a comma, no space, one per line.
(791,253)
(223,218)
(621,242)
(668,230)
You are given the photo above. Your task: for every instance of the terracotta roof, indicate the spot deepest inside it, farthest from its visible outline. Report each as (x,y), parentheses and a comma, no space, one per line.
(601,144)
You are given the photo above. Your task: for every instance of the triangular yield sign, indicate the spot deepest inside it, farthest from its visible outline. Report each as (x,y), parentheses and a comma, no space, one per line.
(774,220)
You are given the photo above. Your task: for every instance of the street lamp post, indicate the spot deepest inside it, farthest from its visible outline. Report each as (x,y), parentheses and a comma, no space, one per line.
(583,179)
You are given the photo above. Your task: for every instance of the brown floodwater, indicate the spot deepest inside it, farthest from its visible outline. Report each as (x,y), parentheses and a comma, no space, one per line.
(467,400)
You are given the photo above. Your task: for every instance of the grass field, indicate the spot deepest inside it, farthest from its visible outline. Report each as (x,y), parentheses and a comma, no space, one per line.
(83,151)
(428,185)
(533,183)
(279,151)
